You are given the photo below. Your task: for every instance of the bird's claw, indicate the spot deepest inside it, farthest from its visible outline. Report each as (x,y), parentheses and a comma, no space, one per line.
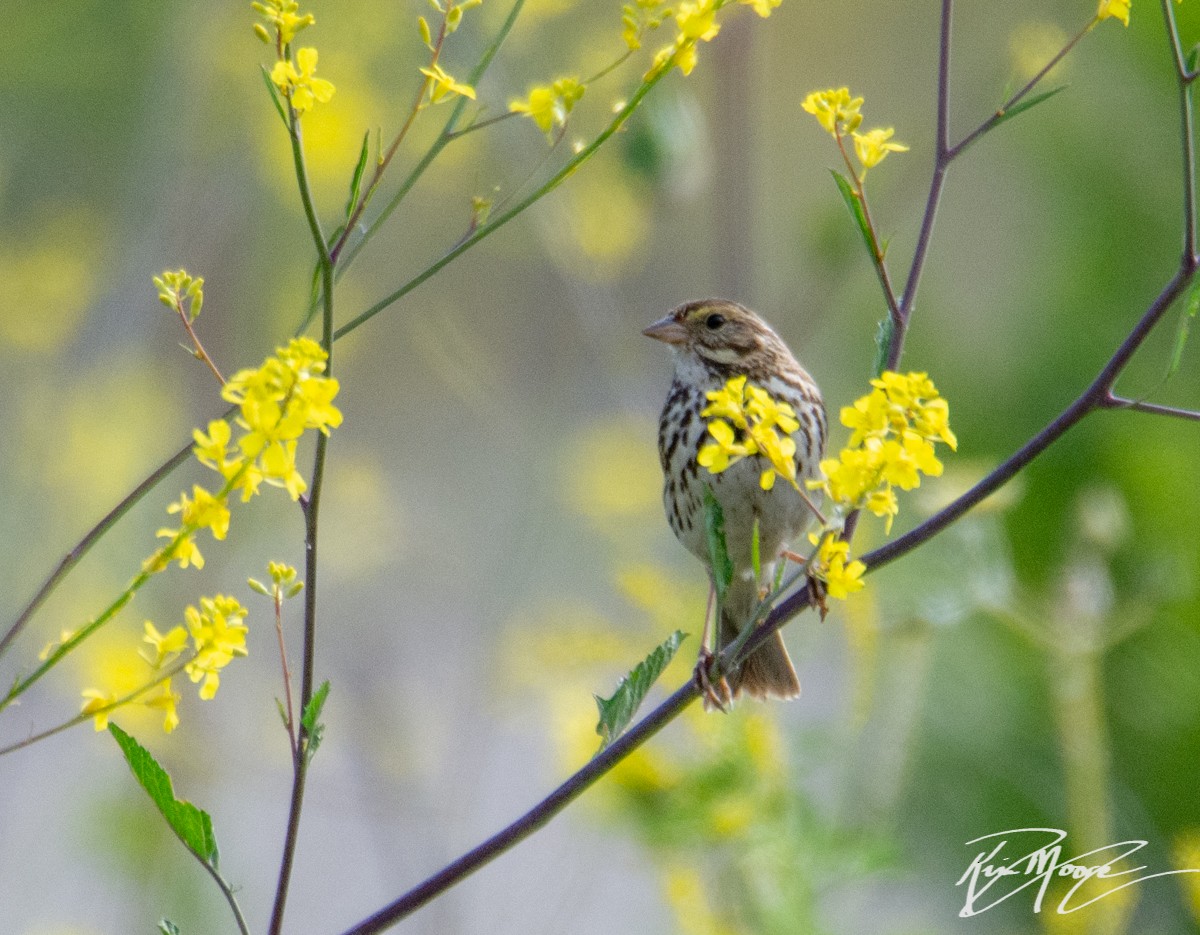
(714,694)
(818,590)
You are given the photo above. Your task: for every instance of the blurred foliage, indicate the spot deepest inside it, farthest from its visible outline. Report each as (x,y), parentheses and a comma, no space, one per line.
(496,548)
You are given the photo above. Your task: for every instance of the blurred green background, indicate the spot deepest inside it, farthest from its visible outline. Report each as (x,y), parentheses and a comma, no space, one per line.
(494,550)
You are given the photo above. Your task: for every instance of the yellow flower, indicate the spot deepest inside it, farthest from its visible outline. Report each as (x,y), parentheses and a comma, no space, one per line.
(206,511)
(550,106)
(299,84)
(724,450)
(874,145)
(762,7)
(835,110)
(278,402)
(1113,9)
(764,409)
(283,15)
(727,402)
(166,700)
(746,420)
(185,551)
(99,705)
(697,20)
(842,578)
(219,636)
(779,450)
(883,502)
(443,85)
(932,420)
(211,450)
(166,645)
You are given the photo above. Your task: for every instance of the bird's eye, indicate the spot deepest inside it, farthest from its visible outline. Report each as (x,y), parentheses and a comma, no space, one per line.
(714,321)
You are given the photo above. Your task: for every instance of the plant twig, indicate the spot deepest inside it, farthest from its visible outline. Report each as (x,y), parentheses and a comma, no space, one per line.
(311,509)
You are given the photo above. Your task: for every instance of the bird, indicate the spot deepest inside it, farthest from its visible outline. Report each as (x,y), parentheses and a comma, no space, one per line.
(714,341)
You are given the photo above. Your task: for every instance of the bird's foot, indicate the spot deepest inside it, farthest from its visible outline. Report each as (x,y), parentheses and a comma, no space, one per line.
(713,694)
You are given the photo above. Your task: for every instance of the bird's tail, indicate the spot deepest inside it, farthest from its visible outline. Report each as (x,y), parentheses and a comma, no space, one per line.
(767,673)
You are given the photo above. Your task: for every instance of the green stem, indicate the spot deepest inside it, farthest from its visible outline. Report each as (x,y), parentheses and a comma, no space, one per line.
(72,558)
(113,706)
(500,220)
(311,508)
(227,892)
(443,138)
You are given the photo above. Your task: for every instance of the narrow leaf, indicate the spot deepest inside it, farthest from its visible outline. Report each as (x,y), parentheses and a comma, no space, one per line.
(617,712)
(192,825)
(1184,329)
(167,927)
(1022,106)
(756,550)
(850,196)
(310,720)
(356,179)
(883,342)
(278,101)
(718,551)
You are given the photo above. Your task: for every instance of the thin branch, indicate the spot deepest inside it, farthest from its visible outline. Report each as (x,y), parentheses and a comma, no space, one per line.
(1090,399)
(93,535)
(227,892)
(500,220)
(1012,102)
(941,162)
(440,143)
(534,819)
(1120,402)
(1185,75)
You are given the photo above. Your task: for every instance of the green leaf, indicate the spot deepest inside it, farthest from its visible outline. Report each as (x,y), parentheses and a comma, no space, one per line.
(756,550)
(883,342)
(1192,56)
(850,196)
(617,712)
(1184,329)
(167,927)
(192,825)
(718,552)
(310,720)
(356,179)
(278,101)
(1022,106)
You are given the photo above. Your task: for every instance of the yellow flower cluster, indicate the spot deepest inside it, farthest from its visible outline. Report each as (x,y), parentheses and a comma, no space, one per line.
(1113,9)
(639,18)
(549,106)
(695,20)
(745,420)
(278,402)
(217,634)
(300,84)
(895,427)
(284,17)
(839,114)
(894,430)
(440,84)
(832,564)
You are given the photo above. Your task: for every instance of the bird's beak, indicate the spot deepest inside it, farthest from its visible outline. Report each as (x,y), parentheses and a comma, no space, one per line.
(667,330)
